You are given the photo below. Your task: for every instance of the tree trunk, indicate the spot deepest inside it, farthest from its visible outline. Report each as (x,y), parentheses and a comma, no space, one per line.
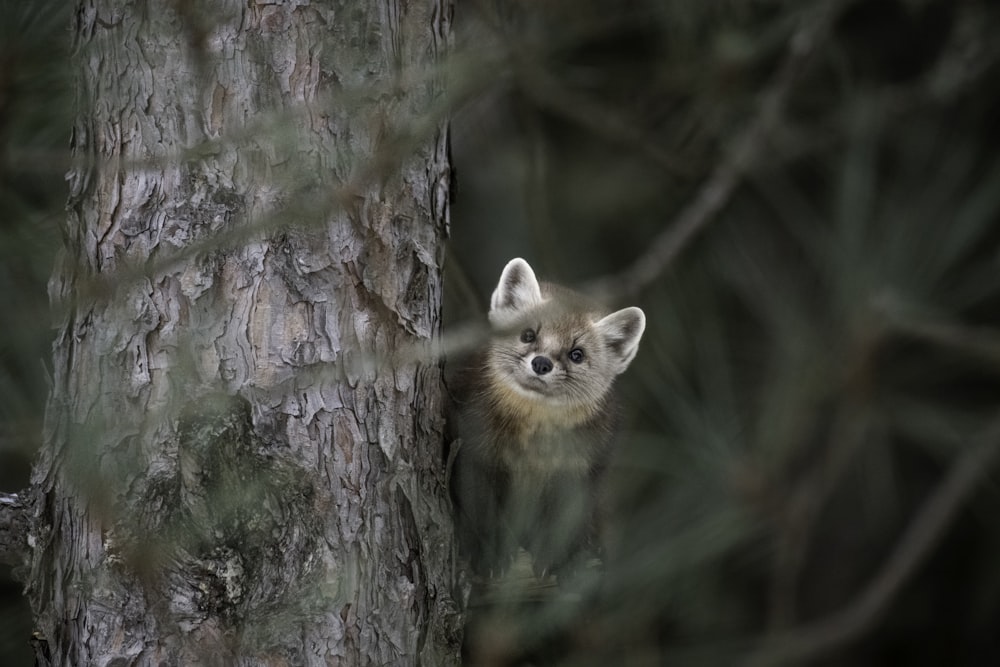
(242,458)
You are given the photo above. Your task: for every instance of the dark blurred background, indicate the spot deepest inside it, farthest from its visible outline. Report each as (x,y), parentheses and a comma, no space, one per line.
(35,119)
(809,473)
(809,476)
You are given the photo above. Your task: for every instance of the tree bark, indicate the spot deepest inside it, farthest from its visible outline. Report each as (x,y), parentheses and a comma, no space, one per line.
(242,457)
(14,515)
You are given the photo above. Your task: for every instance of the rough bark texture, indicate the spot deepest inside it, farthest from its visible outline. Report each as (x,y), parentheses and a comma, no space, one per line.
(13,529)
(239,465)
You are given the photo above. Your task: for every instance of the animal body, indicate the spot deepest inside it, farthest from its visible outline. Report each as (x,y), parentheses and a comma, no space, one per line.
(535,416)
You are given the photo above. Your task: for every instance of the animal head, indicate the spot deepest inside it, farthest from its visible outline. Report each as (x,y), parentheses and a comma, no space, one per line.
(552,345)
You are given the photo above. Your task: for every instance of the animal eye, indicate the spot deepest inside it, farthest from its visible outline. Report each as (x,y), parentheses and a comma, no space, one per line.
(577,356)
(528,336)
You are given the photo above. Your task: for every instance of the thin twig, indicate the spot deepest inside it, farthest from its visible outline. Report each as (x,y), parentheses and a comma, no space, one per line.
(918,541)
(803,508)
(982,343)
(551,93)
(309,209)
(747,150)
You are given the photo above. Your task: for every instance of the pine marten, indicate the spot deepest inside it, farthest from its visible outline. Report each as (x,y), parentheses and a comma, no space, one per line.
(535,416)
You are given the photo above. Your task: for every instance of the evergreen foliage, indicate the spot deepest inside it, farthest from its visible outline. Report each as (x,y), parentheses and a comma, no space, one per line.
(804,197)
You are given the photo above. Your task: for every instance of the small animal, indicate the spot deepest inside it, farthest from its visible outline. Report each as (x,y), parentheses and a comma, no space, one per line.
(535,417)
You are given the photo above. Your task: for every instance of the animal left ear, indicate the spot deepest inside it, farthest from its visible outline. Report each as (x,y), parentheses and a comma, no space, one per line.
(621,332)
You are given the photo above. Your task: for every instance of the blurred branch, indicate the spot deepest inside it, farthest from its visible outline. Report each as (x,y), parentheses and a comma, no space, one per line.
(747,150)
(14,515)
(550,92)
(802,509)
(310,207)
(978,342)
(924,532)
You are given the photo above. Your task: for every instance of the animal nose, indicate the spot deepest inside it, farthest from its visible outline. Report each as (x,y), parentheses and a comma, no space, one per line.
(541,365)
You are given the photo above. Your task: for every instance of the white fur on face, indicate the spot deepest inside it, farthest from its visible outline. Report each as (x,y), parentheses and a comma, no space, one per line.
(609,343)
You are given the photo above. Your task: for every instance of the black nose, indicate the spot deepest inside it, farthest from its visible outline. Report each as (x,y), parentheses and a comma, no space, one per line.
(541,365)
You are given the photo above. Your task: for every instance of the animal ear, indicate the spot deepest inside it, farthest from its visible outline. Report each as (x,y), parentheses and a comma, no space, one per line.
(621,332)
(517,291)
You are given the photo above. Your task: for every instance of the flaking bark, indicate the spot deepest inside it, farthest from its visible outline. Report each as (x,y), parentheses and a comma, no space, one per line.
(239,465)
(14,522)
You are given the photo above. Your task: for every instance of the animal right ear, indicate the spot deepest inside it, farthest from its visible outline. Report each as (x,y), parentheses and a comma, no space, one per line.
(517,291)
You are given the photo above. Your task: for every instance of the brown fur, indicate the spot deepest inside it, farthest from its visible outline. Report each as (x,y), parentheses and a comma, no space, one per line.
(533,443)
